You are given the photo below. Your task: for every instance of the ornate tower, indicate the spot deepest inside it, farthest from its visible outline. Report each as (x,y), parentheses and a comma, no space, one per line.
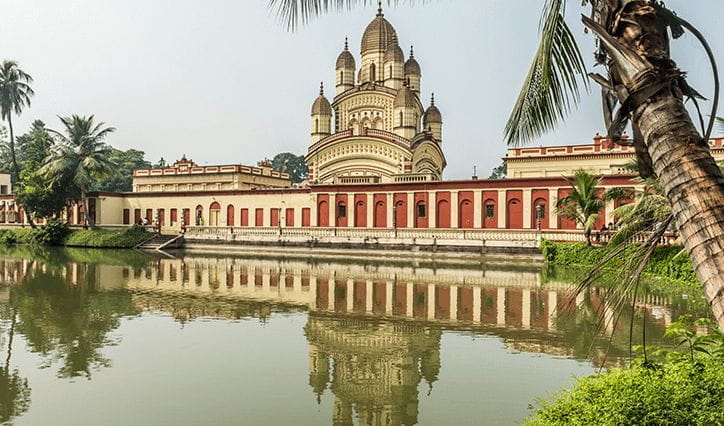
(432,120)
(321,116)
(406,112)
(345,70)
(378,35)
(394,67)
(412,72)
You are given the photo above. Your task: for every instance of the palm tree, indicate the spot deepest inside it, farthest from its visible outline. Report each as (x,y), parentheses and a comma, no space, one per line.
(634,48)
(15,93)
(585,201)
(80,156)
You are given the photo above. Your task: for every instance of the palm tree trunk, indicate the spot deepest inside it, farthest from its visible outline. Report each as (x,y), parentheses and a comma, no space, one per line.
(16,169)
(693,184)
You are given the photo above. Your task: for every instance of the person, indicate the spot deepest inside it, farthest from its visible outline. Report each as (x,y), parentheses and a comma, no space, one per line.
(603,228)
(145,221)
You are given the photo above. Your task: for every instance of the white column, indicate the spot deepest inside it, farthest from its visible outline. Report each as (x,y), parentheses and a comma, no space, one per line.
(526,308)
(477,303)
(390,209)
(298,216)
(478,209)
(411,209)
(552,201)
(453,302)
(430,301)
(313,211)
(332,210)
(502,208)
(527,215)
(454,219)
(370,210)
(312,293)
(431,209)
(500,308)
(351,210)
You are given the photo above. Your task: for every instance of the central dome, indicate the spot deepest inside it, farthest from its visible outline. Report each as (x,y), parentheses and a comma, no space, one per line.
(378,35)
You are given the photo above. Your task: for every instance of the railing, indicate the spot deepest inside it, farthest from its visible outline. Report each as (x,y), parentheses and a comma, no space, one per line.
(413,177)
(358,179)
(372,133)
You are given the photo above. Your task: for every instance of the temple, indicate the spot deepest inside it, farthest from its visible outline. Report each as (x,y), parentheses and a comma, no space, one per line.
(376,166)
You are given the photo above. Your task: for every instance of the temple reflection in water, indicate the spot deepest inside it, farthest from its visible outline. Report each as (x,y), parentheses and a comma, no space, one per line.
(374,330)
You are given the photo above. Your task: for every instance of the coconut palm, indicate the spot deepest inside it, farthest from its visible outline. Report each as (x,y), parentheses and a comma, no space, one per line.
(15,93)
(80,156)
(634,48)
(586,201)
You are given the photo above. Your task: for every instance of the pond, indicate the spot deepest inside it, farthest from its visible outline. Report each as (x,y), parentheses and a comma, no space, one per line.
(119,337)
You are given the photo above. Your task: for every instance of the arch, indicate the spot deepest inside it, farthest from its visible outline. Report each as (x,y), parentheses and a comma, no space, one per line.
(442,218)
(400,214)
(490,213)
(316,125)
(514,214)
(230,215)
(465,214)
(214,213)
(380,216)
(378,124)
(341,77)
(199,218)
(364,124)
(323,213)
(373,72)
(402,116)
(354,126)
(360,214)
(340,214)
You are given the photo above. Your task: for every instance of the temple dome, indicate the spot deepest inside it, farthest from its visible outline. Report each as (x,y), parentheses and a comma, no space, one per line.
(432,114)
(405,97)
(411,66)
(378,35)
(394,54)
(345,59)
(321,105)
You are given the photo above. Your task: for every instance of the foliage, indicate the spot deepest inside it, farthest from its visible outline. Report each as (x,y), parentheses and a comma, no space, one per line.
(665,262)
(685,387)
(295,165)
(121,177)
(101,238)
(552,83)
(80,157)
(499,172)
(16,236)
(15,94)
(51,234)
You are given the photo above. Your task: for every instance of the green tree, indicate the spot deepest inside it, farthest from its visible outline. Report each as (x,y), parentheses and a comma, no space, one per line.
(15,93)
(124,163)
(499,172)
(80,157)
(648,88)
(286,162)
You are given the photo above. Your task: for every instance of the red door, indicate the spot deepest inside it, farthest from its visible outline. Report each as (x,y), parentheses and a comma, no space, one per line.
(244,217)
(443,214)
(149,215)
(323,214)
(274,217)
(187,216)
(380,214)
(515,214)
(126,217)
(400,214)
(259,217)
(174,216)
(465,212)
(230,215)
(289,218)
(360,214)
(161,217)
(306,216)
(490,214)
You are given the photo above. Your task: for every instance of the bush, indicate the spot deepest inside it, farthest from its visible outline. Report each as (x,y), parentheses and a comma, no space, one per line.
(663,263)
(101,238)
(51,234)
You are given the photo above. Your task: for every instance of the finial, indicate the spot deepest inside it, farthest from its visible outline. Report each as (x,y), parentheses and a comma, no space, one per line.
(412,52)
(432,100)
(346,45)
(379,9)
(321,88)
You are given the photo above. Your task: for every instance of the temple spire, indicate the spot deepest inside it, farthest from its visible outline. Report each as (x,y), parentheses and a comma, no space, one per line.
(379,9)
(346,44)
(321,88)
(432,100)
(412,52)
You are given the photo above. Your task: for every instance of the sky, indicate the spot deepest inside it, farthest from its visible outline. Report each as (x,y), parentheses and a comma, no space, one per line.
(223,81)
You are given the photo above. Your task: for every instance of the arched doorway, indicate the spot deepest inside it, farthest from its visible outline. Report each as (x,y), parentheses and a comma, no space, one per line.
(465,214)
(540,214)
(360,214)
(514,216)
(199,219)
(341,214)
(490,214)
(214,214)
(380,218)
(323,214)
(230,221)
(442,220)
(400,214)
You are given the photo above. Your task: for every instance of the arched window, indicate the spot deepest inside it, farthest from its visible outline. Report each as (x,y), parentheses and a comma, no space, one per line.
(316,125)
(341,77)
(401,116)
(390,71)
(373,75)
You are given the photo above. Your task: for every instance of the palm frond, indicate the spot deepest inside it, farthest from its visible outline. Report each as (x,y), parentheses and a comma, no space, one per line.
(294,13)
(551,87)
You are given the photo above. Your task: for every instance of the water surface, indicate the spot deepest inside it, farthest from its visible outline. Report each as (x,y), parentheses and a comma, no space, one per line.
(102,337)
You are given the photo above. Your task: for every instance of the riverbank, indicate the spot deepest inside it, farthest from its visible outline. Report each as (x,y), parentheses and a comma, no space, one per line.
(57,234)
(667,262)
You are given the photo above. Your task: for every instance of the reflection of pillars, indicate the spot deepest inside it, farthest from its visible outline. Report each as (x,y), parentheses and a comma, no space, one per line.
(526,308)
(608,317)
(74,280)
(368,296)
(265,282)
(408,299)
(388,297)
(312,292)
(453,302)
(580,297)
(331,284)
(430,301)
(552,309)
(500,309)
(297,284)
(477,305)
(350,295)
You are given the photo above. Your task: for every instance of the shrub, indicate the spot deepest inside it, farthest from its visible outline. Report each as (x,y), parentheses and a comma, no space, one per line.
(50,234)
